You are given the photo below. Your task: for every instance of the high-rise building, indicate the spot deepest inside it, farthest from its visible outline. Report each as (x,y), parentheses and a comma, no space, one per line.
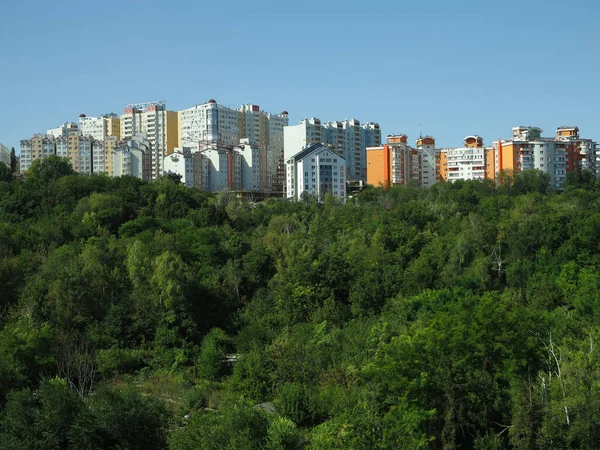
(78,149)
(564,153)
(316,170)
(348,139)
(102,155)
(396,163)
(62,130)
(101,127)
(133,157)
(222,168)
(213,123)
(209,122)
(159,125)
(39,146)
(472,162)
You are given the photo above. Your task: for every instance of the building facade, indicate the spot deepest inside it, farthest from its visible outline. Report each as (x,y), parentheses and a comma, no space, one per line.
(564,153)
(472,162)
(99,128)
(133,157)
(78,149)
(397,164)
(316,170)
(62,130)
(211,123)
(40,146)
(159,125)
(348,139)
(181,162)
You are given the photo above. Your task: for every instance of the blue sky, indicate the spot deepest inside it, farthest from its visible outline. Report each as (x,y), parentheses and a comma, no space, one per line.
(458,67)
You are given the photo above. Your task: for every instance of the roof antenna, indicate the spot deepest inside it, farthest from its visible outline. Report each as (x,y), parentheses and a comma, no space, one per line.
(420,131)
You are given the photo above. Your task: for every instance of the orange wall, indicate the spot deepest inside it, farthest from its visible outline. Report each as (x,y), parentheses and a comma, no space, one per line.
(508,157)
(378,166)
(441,166)
(490,163)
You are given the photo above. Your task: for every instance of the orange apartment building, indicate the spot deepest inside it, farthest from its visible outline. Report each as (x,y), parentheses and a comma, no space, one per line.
(396,163)
(564,153)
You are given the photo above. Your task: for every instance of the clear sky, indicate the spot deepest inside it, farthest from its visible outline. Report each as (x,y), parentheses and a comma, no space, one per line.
(457,67)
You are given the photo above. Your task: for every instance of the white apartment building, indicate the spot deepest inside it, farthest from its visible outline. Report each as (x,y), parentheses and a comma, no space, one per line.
(181,162)
(209,122)
(39,146)
(133,157)
(4,155)
(213,123)
(62,130)
(316,170)
(95,127)
(427,153)
(159,125)
(248,167)
(348,138)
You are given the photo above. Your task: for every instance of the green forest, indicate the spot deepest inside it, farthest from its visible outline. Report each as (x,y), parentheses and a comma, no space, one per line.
(148,315)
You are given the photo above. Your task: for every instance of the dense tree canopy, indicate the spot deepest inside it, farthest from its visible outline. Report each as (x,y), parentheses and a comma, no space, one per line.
(148,315)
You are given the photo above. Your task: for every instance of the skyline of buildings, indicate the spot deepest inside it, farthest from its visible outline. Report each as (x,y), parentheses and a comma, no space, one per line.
(397,163)
(222,148)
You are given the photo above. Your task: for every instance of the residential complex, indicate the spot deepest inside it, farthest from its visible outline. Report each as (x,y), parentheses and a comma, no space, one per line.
(133,157)
(210,123)
(564,153)
(316,170)
(396,163)
(39,146)
(218,168)
(216,147)
(348,139)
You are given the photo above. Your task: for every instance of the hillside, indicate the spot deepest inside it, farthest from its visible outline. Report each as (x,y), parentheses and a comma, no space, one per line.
(146,315)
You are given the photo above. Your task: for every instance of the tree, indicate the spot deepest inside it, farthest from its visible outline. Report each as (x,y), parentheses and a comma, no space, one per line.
(43,171)
(13,160)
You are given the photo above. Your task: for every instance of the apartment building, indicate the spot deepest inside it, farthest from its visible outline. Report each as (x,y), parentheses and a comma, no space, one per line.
(39,146)
(102,155)
(473,161)
(316,170)
(564,153)
(396,163)
(347,138)
(220,169)
(62,130)
(161,128)
(133,157)
(99,128)
(78,149)
(181,162)
(214,123)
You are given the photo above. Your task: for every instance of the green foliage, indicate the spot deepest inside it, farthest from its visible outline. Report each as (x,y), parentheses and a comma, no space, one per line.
(150,315)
